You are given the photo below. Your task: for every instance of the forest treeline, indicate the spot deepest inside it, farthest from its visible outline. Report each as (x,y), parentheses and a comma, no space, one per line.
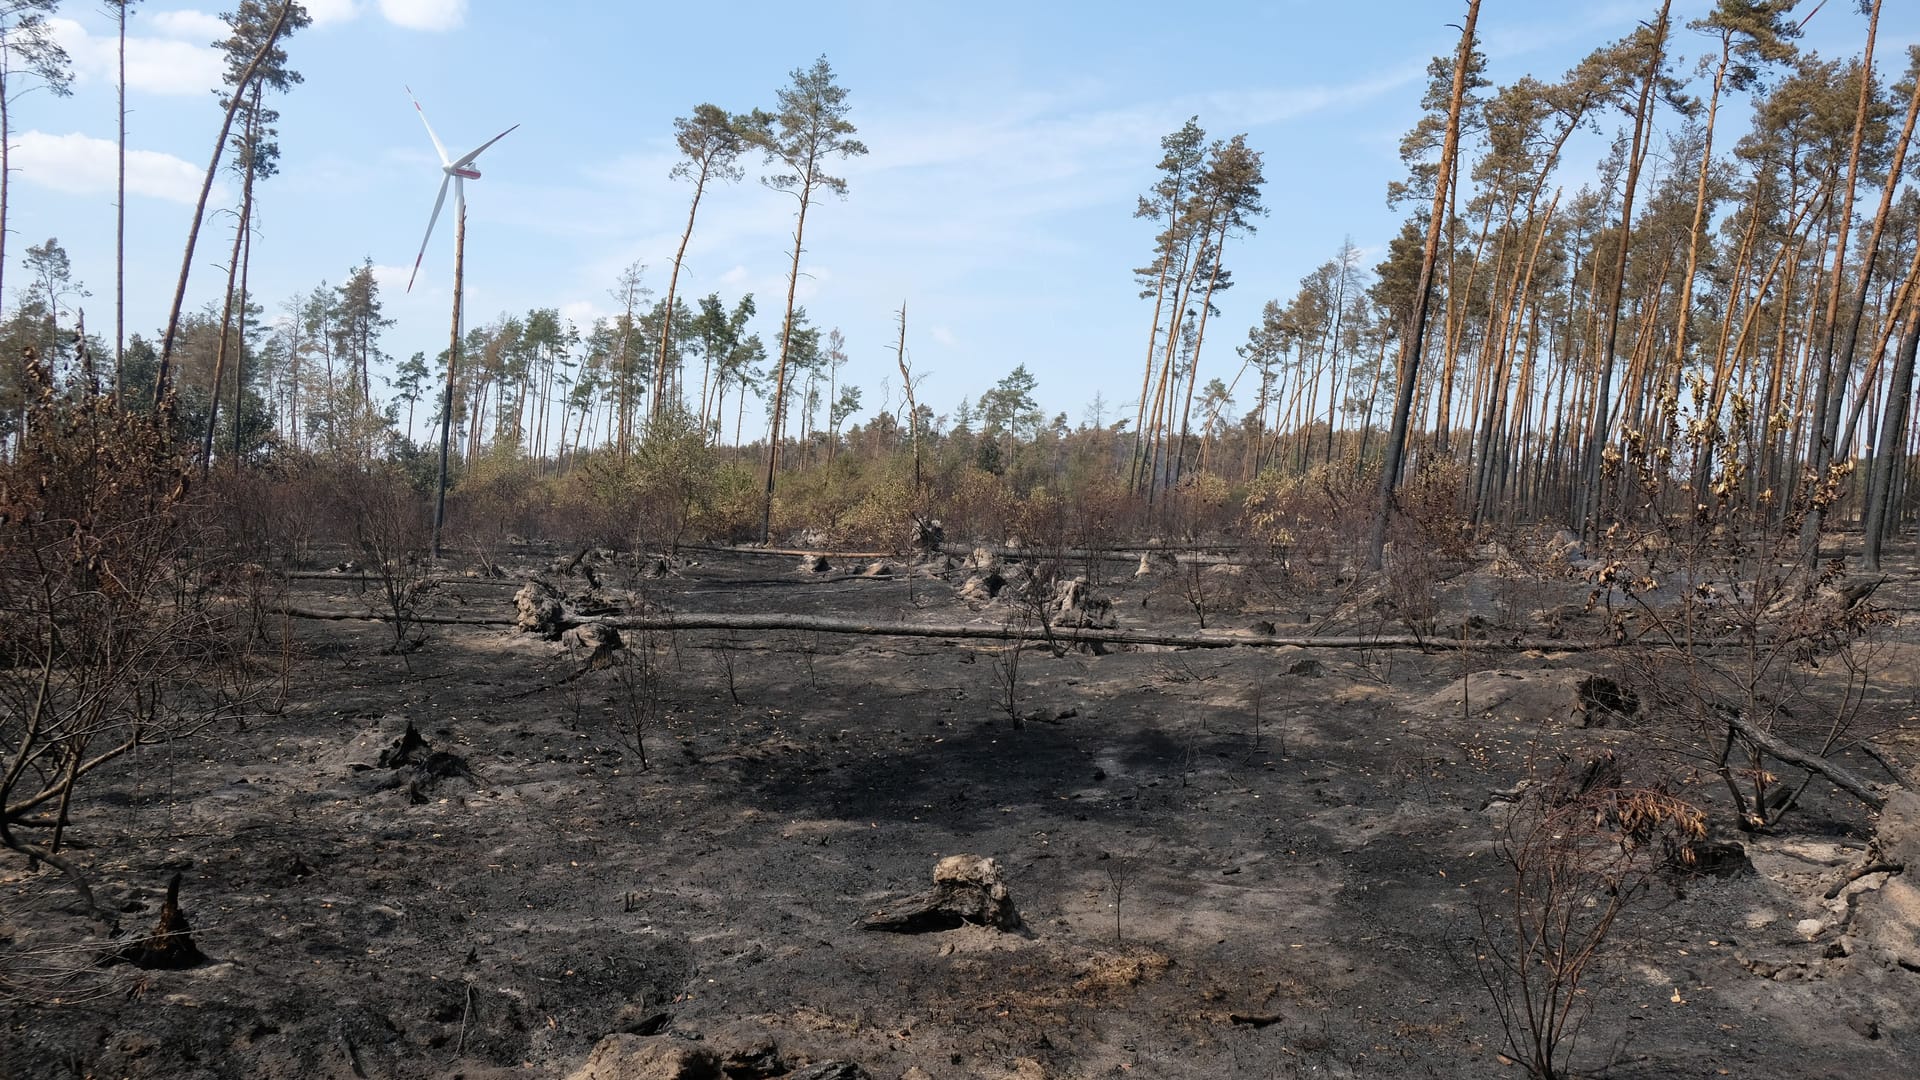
(1678,275)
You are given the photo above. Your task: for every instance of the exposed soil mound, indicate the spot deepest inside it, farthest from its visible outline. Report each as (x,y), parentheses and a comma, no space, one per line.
(636,1057)
(1566,696)
(1883,891)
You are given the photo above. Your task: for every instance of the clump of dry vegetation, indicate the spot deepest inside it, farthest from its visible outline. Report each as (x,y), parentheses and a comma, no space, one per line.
(122,628)
(1577,852)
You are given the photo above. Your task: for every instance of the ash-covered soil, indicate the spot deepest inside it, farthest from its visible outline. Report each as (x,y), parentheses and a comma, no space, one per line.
(1250,861)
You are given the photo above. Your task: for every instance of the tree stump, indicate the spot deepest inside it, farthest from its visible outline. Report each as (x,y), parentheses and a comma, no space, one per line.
(966,891)
(170,946)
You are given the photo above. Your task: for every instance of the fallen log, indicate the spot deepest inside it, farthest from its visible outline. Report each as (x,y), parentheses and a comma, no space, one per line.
(1894,769)
(967,891)
(1202,639)
(1069,635)
(1858,872)
(1203,554)
(369,616)
(737,549)
(1837,775)
(371,578)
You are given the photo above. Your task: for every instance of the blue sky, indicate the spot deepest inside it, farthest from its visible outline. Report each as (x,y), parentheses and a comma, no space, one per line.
(1008,145)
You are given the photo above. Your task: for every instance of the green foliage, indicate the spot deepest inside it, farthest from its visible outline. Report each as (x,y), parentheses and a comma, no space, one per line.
(1309,516)
(672,473)
(809,126)
(499,495)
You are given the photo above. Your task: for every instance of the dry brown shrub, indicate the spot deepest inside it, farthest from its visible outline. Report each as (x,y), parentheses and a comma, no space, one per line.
(1733,633)
(1579,851)
(1318,517)
(118,631)
(976,505)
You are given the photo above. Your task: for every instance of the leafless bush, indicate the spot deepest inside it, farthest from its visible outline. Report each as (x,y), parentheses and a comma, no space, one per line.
(1531,566)
(641,686)
(1578,851)
(1256,696)
(117,632)
(1098,510)
(729,654)
(1046,530)
(1747,652)
(1193,586)
(1006,662)
(390,532)
(809,652)
(1121,871)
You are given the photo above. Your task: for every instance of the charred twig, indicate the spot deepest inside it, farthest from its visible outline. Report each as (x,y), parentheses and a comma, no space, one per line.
(1876,867)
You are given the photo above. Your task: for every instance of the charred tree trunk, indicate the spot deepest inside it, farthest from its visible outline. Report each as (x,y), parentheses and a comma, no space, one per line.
(1417,324)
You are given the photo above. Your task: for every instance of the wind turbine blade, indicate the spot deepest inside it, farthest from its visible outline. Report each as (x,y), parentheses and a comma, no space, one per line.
(437,203)
(468,160)
(441,150)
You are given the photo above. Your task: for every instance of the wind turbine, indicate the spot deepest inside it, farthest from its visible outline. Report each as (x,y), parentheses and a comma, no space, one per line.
(456,172)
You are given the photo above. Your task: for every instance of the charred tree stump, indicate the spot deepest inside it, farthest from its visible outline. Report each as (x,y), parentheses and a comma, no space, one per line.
(966,891)
(170,946)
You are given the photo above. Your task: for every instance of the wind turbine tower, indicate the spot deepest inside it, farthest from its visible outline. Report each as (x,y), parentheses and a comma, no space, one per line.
(455,172)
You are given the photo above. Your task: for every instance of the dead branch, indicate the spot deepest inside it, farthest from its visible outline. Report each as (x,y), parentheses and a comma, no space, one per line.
(1859,872)
(1894,769)
(368,616)
(1840,777)
(987,632)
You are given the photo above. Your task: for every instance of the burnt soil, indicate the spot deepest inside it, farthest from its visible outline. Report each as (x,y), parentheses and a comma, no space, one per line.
(1249,861)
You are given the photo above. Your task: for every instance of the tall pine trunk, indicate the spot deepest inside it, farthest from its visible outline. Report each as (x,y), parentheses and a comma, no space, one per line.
(240,85)
(1832,372)
(780,371)
(1600,423)
(1417,324)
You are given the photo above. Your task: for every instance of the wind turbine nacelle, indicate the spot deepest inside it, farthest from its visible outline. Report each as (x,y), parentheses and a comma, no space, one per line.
(466,173)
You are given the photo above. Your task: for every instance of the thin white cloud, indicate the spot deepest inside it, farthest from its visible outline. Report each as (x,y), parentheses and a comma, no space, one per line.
(197,27)
(1278,105)
(155,65)
(581,313)
(944,335)
(77,163)
(328,12)
(390,278)
(425,14)
(813,279)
